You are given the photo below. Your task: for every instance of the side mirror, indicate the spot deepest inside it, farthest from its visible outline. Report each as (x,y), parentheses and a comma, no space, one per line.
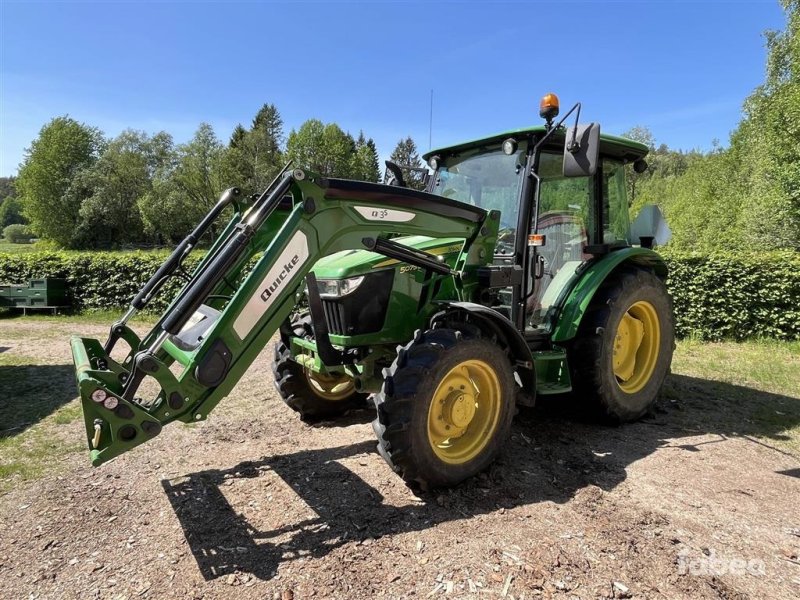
(581,150)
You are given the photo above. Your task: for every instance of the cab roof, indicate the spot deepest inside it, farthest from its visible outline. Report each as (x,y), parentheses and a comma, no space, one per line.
(610,145)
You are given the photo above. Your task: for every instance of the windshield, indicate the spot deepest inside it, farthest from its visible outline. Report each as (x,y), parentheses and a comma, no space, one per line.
(487,178)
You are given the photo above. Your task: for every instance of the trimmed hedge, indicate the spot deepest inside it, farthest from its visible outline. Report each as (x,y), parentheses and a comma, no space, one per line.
(95,280)
(721,296)
(734,295)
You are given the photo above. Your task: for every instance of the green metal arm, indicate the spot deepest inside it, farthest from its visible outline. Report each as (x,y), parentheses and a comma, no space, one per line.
(278,244)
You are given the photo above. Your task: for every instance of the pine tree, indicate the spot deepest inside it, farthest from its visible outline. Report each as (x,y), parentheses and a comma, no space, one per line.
(365,160)
(237,136)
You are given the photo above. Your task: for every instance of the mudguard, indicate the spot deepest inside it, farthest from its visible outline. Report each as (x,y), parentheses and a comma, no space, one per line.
(595,273)
(493,321)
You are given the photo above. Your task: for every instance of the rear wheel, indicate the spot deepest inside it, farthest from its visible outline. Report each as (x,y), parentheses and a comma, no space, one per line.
(445,408)
(624,346)
(313,395)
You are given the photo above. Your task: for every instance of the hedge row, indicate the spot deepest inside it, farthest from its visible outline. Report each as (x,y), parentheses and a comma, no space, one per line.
(95,280)
(723,296)
(735,296)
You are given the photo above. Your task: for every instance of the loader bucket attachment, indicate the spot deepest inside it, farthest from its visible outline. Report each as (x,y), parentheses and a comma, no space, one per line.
(113,425)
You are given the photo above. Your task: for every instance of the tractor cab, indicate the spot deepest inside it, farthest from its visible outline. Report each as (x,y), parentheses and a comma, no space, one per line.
(578,217)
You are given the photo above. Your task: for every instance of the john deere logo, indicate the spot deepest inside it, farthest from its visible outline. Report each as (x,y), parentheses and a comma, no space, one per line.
(287,268)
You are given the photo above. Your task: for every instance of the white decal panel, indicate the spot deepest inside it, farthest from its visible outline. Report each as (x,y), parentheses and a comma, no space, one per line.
(384,214)
(282,272)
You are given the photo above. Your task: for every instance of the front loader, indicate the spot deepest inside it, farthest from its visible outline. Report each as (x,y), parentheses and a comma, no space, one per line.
(511,276)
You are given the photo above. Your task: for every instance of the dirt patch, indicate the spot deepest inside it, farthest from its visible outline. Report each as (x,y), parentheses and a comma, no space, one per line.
(698,501)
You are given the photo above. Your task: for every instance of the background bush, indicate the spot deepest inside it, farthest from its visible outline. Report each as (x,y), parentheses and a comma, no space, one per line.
(17,234)
(96,280)
(735,295)
(719,296)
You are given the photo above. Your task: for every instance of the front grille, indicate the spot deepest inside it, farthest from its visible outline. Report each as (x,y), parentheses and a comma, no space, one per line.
(362,311)
(335,316)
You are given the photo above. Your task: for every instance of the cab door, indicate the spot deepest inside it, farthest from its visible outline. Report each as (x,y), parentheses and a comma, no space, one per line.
(566,220)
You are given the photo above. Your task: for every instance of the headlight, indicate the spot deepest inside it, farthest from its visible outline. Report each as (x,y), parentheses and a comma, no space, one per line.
(335,288)
(509,146)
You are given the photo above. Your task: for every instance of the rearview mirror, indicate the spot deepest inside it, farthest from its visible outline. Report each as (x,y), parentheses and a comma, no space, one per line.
(581,150)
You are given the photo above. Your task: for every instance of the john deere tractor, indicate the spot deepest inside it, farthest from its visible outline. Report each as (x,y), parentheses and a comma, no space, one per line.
(512,276)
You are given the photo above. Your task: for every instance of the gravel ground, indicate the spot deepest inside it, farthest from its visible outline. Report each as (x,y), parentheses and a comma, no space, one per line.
(697,501)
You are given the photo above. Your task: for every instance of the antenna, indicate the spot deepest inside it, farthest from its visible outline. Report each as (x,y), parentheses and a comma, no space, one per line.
(430,124)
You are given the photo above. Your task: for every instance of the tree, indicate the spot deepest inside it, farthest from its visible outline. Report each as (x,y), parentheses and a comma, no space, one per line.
(255,156)
(109,191)
(182,195)
(7,189)
(766,143)
(663,164)
(325,149)
(644,136)
(237,136)
(11,212)
(63,148)
(405,154)
(365,163)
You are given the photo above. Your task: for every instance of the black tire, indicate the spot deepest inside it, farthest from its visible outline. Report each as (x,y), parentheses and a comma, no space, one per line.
(298,391)
(596,387)
(404,403)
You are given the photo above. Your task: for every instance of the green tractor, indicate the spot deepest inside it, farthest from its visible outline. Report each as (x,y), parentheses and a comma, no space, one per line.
(512,276)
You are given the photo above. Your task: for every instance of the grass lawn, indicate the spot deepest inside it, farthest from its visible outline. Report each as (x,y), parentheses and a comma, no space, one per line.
(10,248)
(754,385)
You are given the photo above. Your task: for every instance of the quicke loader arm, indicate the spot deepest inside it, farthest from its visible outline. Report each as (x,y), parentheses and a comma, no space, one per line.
(244,288)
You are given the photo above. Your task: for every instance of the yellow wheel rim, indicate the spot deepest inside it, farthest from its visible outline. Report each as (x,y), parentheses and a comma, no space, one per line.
(636,347)
(464,412)
(329,386)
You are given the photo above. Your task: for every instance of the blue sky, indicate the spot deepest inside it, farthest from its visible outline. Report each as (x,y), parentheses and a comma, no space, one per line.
(680,68)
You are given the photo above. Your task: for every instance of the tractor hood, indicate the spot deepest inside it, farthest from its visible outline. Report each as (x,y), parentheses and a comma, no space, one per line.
(351,263)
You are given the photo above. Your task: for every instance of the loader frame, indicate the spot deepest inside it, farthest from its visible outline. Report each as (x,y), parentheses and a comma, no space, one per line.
(298,219)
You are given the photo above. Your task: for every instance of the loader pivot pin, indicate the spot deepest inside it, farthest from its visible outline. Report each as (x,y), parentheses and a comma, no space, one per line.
(98,429)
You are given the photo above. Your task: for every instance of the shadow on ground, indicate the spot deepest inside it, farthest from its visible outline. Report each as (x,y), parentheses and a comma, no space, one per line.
(29,393)
(550,457)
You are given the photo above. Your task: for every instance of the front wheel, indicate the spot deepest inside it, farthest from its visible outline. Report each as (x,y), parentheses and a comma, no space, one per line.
(445,408)
(314,396)
(624,346)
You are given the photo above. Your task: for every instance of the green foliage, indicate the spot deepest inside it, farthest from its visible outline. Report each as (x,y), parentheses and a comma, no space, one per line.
(11,212)
(63,149)
(748,195)
(720,296)
(96,280)
(255,156)
(186,188)
(7,189)
(735,295)
(139,190)
(767,144)
(17,233)
(325,149)
(365,163)
(109,190)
